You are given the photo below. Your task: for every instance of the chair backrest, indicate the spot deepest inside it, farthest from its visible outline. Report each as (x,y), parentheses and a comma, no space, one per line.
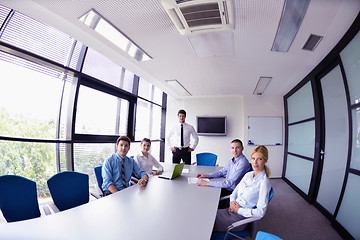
(69,189)
(98,176)
(206,159)
(18,198)
(266,236)
(251,169)
(271,194)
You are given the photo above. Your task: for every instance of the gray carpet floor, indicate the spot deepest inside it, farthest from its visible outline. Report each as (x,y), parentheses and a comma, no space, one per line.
(290,217)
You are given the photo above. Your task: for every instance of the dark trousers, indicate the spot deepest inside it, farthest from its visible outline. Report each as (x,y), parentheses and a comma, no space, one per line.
(182,153)
(226,202)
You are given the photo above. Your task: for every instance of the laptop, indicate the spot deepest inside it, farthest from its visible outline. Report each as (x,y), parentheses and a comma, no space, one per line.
(175,173)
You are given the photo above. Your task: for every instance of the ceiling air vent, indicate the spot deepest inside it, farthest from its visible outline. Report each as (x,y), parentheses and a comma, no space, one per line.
(312,42)
(193,16)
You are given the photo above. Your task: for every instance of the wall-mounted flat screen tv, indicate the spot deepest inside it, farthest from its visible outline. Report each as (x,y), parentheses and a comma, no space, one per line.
(211,126)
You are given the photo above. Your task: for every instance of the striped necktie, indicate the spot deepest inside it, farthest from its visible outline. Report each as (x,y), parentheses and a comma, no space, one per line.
(123,173)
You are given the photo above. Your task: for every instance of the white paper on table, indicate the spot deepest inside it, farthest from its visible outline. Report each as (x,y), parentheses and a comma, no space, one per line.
(193,180)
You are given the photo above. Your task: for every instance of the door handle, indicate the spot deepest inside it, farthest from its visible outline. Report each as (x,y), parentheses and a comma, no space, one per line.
(322,153)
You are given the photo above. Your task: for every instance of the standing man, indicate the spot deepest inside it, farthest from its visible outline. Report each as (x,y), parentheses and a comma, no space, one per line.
(234,172)
(179,142)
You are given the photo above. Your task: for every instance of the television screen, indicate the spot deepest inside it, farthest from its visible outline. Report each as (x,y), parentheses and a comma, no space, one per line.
(211,126)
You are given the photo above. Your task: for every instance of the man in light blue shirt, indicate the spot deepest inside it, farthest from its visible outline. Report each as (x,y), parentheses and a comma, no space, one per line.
(234,172)
(112,170)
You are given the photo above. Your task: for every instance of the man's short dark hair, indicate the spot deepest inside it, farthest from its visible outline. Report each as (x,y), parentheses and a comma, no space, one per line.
(123,138)
(181,111)
(146,140)
(238,141)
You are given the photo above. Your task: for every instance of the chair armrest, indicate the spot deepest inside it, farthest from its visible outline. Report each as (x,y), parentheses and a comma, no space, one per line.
(224,198)
(242,222)
(53,207)
(95,195)
(133,180)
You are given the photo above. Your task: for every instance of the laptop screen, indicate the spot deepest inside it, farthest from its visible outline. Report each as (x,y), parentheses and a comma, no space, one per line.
(177,170)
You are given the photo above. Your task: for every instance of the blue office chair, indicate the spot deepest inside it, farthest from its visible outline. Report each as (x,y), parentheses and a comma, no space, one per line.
(249,231)
(99,179)
(206,159)
(18,198)
(266,236)
(69,189)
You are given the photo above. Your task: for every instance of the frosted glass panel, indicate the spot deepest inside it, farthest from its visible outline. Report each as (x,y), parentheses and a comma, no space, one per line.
(299,172)
(355,153)
(349,212)
(336,139)
(302,139)
(301,104)
(350,57)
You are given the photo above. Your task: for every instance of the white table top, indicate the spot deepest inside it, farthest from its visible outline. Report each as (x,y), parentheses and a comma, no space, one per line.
(165,209)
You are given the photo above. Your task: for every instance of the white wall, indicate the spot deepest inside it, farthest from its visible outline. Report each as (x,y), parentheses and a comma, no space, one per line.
(266,106)
(237,109)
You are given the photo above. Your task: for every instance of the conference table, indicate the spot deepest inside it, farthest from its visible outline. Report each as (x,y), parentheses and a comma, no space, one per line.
(163,210)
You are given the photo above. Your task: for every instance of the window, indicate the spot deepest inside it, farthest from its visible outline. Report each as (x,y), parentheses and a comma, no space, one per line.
(100,67)
(26,109)
(150,92)
(4,11)
(88,156)
(38,99)
(29,159)
(148,121)
(97,113)
(26,33)
(148,115)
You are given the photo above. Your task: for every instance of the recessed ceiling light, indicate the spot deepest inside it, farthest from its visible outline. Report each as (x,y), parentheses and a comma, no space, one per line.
(178,87)
(290,22)
(96,22)
(261,85)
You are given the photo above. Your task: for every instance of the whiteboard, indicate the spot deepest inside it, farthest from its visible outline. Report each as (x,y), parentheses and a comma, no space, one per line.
(265,131)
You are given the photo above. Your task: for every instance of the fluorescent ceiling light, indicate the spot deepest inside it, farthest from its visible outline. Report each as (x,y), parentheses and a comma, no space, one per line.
(262,85)
(290,22)
(178,87)
(96,22)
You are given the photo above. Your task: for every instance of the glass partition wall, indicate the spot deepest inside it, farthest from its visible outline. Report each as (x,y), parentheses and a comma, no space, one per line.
(63,104)
(300,138)
(322,150)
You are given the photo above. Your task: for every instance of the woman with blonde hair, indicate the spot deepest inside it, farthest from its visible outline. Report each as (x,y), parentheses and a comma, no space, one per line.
(251,196)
